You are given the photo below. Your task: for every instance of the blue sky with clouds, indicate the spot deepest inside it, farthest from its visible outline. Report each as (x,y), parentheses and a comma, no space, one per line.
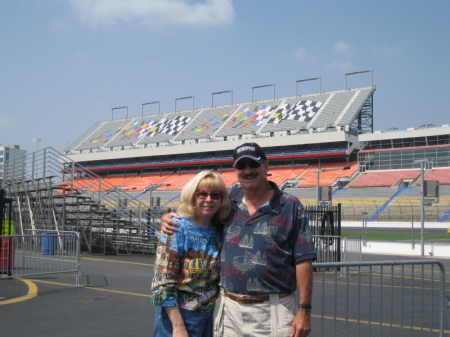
(64,64)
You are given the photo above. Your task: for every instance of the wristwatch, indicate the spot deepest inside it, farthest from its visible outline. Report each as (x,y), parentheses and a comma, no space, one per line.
(304,306)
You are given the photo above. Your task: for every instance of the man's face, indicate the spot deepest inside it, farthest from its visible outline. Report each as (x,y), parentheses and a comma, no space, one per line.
(251,177)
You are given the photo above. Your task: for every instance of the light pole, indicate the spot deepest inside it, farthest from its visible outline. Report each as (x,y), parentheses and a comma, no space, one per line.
(120,107)
(155,102)
(364,214)
(37,141)
(422,204)
(318,179)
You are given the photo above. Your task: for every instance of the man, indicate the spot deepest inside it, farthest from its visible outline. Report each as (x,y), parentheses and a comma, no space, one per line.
(267,253)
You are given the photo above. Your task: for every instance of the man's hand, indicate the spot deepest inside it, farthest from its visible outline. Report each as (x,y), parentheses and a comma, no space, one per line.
(180,332)
(301,326)
(167,224)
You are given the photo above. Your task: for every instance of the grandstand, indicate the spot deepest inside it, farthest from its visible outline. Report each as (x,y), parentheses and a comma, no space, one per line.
(301,134)
(117,166)
(182,138)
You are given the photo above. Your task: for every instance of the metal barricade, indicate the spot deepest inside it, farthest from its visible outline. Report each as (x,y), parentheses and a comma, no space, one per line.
(382,298)
(327,248)
(49,252)
(351,251)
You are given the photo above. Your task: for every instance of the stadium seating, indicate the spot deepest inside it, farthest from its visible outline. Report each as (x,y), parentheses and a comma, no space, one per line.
(262,117)
(79,184)
(295,112)
(280,174)
(332,111)
(228,176)
(165,127)
(385,178)
(206,123)
(140,183)
(309,178)
(355,104)
(177,181)
(101,135)
(442,175)
(249,118)
(366,192)
(117,181)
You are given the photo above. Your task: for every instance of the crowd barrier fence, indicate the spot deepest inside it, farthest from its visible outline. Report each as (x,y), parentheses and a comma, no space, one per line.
(382,298)
(40,253)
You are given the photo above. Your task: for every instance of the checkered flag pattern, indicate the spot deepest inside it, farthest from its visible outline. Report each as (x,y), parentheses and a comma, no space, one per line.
(302,111)
(169,126)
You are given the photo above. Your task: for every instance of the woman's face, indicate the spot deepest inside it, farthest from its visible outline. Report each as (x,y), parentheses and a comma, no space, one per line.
(207,202)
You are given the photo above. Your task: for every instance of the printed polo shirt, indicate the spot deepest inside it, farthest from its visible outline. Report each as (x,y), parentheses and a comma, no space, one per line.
(259,252)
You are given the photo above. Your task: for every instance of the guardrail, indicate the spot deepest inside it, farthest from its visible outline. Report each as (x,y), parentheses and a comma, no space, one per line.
(48,252)
(382,298)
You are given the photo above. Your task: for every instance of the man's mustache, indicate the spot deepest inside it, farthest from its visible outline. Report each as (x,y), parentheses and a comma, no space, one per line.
(250,175)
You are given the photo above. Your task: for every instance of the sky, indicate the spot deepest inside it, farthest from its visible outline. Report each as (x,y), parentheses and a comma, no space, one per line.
(66,64)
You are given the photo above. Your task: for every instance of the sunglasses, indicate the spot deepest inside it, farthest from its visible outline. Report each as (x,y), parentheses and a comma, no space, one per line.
(241,165)
(213,195)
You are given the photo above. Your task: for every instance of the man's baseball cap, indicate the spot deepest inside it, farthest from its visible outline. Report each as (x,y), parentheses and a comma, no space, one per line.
(249,150)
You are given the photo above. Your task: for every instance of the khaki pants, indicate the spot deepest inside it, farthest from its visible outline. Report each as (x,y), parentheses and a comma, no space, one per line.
(271,318)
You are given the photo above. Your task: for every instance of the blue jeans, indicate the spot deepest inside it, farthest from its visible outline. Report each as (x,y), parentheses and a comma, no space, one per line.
(198,324)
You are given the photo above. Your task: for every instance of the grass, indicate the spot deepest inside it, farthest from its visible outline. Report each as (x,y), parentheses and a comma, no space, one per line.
(397,236)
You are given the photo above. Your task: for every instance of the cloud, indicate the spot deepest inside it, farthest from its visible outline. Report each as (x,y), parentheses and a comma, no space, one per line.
(155,13)
(343,47)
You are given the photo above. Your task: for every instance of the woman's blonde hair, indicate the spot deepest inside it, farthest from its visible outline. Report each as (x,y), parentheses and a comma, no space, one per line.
(204,180)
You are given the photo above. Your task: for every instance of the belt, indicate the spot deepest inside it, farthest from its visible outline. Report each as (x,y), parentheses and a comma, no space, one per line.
(252,299)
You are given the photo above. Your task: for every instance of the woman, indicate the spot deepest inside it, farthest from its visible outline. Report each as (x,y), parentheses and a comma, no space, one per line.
(187,264)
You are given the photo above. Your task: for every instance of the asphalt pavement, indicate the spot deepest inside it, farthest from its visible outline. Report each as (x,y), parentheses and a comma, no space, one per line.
(113,299)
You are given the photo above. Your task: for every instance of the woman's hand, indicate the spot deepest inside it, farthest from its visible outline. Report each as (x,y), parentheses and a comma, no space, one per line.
(167,224)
